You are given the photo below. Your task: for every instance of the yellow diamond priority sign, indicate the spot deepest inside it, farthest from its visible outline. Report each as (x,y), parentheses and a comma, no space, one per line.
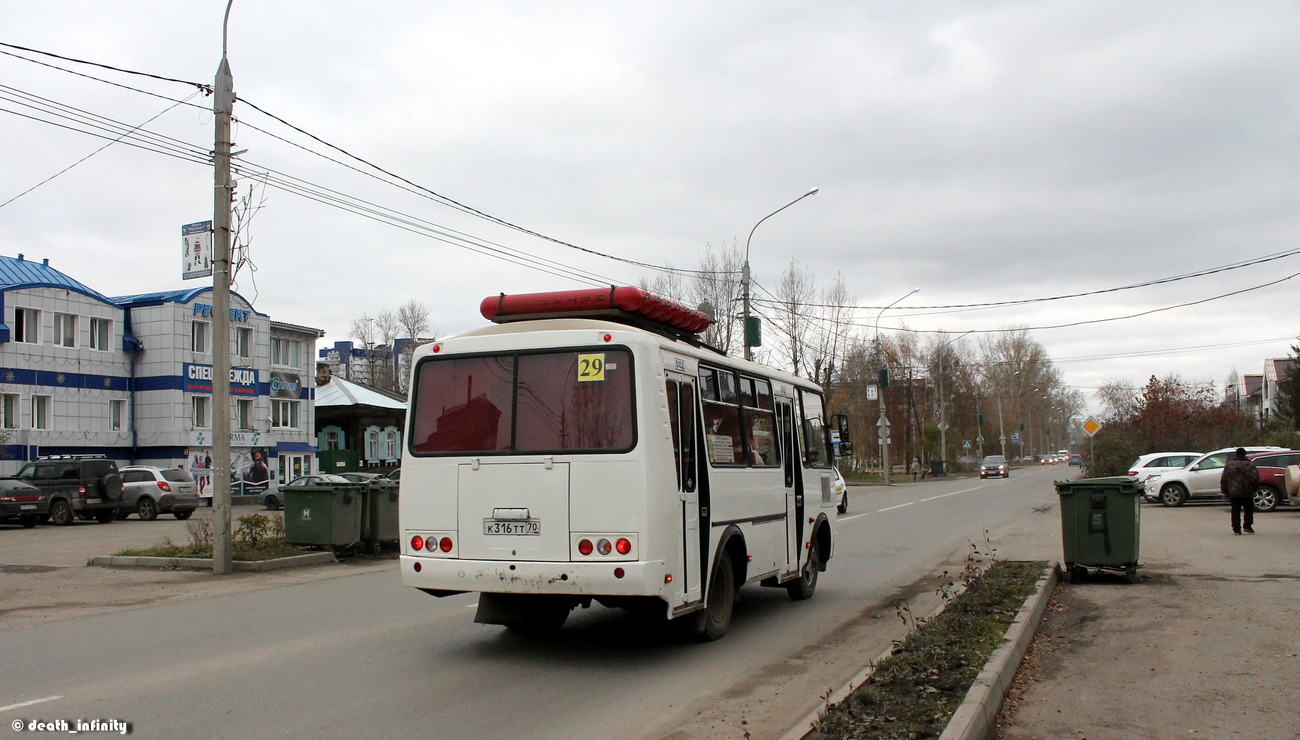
(1091,427)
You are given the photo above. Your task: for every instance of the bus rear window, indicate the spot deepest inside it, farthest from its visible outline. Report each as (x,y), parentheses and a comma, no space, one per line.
(544,402)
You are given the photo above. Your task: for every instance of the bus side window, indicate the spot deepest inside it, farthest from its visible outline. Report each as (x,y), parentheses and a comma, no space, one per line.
(815,440)
(675,427)
(760,428)
(681,418)
(722,432)
(688,437)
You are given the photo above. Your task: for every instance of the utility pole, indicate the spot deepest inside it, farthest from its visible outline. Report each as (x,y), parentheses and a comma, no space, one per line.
(223,100)
(883,422)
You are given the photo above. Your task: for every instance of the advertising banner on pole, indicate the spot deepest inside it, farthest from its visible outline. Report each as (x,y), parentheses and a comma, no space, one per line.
(196,250)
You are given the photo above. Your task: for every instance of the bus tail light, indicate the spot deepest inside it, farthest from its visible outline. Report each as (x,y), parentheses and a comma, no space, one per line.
(606,545)
(434,543)
(618,572)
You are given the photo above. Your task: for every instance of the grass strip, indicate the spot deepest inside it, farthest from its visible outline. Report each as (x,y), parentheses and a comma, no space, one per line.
(913,693)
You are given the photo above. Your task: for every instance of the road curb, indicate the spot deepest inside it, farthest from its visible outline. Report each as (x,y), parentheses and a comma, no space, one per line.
(975,718)
(256,566)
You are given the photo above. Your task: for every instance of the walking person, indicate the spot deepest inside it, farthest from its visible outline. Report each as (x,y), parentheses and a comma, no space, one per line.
(916,469)
(1239,480)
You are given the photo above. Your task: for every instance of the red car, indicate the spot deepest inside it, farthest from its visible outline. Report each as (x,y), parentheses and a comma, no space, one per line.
(1272,477)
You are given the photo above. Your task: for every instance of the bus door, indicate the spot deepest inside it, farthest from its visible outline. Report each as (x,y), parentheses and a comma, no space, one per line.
(791,462)
(682,414)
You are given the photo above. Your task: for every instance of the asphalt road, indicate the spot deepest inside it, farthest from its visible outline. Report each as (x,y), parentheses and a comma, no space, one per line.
(345,651)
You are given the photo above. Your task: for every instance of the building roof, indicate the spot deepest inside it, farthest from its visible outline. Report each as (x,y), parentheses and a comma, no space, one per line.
(16,272)
(340,392)
(1254,384)
(182,295)
(1277,368)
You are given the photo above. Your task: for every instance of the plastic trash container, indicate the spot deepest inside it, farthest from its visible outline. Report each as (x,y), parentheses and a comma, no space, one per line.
(1100,523)
(322,515)
(380,522)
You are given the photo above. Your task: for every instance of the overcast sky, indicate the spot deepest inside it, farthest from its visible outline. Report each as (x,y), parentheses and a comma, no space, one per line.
(981,151)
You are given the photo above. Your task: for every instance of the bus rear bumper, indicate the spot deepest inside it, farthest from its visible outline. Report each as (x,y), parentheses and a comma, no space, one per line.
(638,578)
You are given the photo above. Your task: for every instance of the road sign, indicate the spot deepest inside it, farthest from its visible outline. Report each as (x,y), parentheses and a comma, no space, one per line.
(943,426)
(872,393)
(1015,438)
(1091,427)
(965,445)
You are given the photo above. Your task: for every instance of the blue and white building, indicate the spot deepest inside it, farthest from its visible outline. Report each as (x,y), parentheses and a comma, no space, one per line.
(131,378)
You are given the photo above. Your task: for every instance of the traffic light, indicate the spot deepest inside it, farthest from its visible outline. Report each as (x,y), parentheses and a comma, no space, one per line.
(981,419)
(884,377)
(754,332)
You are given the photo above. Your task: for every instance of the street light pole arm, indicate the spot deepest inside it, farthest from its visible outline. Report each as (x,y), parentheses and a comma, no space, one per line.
(813,191)
(744,275)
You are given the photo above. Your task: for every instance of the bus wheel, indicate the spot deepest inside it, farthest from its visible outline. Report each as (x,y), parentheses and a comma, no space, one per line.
(711,622)
(803,587)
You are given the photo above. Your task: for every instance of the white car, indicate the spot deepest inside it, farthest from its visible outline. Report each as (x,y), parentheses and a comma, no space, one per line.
(841,490)
(1157,463)
(1200,479)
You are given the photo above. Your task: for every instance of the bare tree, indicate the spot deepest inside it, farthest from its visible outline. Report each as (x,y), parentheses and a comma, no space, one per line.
(364,332)
(795,292)
(835,334)
(717,287)
(413,317)
(1120,399)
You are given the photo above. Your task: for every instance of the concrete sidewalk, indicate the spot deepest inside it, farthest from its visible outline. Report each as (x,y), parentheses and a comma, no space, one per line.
(1204,645)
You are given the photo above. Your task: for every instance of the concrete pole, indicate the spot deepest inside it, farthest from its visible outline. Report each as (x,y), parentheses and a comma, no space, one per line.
(223,101)
(883,430)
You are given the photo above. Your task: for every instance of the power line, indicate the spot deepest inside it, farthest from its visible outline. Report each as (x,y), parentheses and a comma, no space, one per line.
(959,307)
(442,199)
(97,151)
(468,209)
(205,88)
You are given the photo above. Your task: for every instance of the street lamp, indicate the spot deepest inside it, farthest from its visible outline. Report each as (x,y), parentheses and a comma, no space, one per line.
(883,424)
(744,273)
(943,422)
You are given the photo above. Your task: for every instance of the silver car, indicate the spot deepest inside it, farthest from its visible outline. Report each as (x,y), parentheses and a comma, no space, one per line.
(148,491)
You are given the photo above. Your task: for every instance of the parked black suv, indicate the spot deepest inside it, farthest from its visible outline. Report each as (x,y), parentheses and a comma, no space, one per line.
(77,485)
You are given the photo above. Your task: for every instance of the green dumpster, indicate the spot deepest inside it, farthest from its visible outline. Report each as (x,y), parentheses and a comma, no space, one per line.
(322,515)
(1100,520)
(380,521)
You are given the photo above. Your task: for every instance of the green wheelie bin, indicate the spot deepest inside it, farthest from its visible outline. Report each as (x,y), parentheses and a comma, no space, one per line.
(323,515)
(380,522)
(1100,523)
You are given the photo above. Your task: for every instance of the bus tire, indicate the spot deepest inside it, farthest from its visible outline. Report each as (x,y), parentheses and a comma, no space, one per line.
(803,587)
(712,622)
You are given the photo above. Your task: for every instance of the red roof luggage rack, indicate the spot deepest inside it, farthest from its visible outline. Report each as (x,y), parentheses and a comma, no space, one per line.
(626,303)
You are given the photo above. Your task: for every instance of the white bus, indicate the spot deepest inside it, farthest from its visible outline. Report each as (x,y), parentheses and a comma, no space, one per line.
(588,447)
